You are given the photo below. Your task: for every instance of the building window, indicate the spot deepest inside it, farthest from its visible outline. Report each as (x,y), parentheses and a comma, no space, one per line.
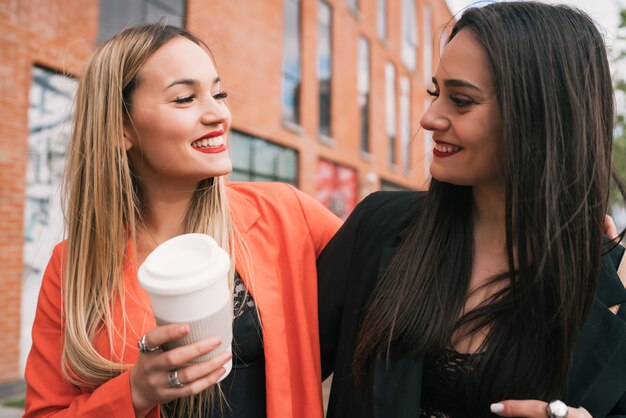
(409,34)
(428,44)
(390,110)
(324,65)
(116,15)
(336,187)
(255,159)
(428,145)
(51,97)
(291,62)
(363,90)
(381,19)
(405,122)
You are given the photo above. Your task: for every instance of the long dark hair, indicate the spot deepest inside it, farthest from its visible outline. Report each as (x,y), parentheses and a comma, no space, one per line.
(553,86)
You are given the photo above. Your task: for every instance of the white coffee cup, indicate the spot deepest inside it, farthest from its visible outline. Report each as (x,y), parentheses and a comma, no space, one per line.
(186,278)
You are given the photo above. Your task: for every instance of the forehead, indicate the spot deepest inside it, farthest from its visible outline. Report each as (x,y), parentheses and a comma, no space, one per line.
(178,58)
(464,58)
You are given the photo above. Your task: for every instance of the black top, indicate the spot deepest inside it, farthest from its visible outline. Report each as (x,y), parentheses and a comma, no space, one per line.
(244,387)
(349,269)
(444,384)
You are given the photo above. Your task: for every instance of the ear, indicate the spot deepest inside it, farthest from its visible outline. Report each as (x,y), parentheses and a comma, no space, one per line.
(128,143)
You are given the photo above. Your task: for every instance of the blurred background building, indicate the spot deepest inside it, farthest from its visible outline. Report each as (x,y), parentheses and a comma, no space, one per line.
(325,94)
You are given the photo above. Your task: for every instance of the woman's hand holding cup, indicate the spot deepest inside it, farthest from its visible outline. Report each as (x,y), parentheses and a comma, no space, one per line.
(160,377)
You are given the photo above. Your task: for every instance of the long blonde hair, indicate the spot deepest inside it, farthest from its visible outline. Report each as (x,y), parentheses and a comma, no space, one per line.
(103,202)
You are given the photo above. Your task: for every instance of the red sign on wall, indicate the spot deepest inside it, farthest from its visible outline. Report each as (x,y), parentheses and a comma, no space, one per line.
(336,187)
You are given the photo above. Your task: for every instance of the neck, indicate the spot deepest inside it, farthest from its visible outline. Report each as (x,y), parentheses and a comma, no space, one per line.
(164,211)
(489,215)
(489,205)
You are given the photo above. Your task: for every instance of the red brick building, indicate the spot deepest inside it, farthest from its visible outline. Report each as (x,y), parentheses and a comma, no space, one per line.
(325,94)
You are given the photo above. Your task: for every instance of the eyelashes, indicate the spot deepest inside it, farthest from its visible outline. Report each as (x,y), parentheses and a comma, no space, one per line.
(457,100)
(220,95)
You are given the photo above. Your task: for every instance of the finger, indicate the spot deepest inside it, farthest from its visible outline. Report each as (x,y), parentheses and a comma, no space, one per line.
(180,356)
(165,333)
(609,227)
(199,385)
(520,408)
(201,370)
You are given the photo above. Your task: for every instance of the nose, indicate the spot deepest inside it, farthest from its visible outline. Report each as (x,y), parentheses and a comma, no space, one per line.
(434,119)
(215,112)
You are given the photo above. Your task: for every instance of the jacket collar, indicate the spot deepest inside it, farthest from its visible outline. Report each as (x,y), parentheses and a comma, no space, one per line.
(243,211)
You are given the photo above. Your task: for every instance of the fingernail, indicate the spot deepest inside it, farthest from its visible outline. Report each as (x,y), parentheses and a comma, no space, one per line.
(497,407)
(225,356)
(183,329)
(210,342)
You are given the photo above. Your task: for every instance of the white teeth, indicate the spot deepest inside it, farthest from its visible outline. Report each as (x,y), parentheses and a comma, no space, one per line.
(446,148)
(215,142)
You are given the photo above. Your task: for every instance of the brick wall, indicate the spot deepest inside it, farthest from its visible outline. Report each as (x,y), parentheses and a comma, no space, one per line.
(246,38)
(57,34)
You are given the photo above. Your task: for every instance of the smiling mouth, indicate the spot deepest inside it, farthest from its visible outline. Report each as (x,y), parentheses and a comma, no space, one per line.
(442,149)
(208,143)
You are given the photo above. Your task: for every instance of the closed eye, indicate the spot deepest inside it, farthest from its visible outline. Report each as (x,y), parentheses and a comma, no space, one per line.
(461,101)
(185,99)
(432,93)
(220,95)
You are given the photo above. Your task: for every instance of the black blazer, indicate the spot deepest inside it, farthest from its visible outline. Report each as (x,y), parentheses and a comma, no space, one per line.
(353,262)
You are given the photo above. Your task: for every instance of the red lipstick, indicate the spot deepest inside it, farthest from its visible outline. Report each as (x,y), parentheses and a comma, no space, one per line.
(211,135)
(442,154)
(215,150)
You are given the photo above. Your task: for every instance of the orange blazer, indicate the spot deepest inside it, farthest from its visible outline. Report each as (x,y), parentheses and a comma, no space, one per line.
(284,230)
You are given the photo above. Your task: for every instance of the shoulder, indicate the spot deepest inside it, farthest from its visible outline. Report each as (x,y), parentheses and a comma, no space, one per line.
(388,210)
(263,194)
(282,203)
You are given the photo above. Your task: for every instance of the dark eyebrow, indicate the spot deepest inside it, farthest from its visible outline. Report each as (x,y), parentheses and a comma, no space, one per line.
(453,82)
(190,82)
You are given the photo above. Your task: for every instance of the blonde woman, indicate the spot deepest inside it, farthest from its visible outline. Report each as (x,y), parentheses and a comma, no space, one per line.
(146,163)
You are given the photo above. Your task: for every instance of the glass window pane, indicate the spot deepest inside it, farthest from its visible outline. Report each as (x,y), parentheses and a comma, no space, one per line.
(409,34)
(239,176)
(51,99)
(258,177)
(240,150)
(116,15)
(381,19)
(261,160)
(291,61)
(363,88)
(286,164)
(428,44)
(405,121)
(390,98)
(264,158)
(324,66)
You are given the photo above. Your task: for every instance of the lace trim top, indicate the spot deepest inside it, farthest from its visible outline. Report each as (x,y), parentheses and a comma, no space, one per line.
(444,384)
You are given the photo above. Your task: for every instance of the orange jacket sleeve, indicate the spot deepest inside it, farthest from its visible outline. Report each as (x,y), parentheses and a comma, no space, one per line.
(48,393)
